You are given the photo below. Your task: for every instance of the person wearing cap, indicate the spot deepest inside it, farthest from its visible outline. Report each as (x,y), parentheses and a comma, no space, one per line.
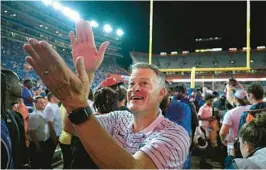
(114,84)
(229,129)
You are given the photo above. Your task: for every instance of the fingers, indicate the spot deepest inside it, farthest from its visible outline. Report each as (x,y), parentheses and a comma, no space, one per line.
(28,48)
(80,67)
(90,36)
(72,39)
(35,66)
(84,31)
(49,54)
(79,31)
(103,48)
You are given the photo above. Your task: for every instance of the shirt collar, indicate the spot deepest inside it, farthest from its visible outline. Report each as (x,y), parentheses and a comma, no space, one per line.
(149,129)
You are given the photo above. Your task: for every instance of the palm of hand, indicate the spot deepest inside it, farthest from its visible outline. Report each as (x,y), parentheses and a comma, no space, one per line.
(84,45)
(92,59)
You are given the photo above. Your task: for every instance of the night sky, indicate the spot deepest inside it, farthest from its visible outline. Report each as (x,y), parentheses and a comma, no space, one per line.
(177,24)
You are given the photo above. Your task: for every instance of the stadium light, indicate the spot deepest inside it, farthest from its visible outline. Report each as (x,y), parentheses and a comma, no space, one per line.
(216,49)
(119,32)
(94,23)
(232,49)
(107,28)
(57,6)
(47,2)
(174,53)
(163,53)
(73,15)
(260,47)
(232,62)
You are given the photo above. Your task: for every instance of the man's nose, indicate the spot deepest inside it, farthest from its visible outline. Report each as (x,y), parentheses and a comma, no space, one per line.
(136,87)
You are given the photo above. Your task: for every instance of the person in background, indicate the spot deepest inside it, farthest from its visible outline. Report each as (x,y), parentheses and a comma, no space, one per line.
(122,99)
(21,108)
(28,95)
(207,121)
(252,144)
(255,96)
(229,129)
(91,99)
(52,115)
(65,141)
(105,100)
(39,134)
(10,94)
(166,100)
(180,113)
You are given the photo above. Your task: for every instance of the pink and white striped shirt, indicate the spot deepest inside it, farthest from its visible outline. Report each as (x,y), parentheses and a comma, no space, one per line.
(166,143)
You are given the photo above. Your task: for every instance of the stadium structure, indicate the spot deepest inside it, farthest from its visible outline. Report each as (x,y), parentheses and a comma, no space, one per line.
(206,58)
(52,22)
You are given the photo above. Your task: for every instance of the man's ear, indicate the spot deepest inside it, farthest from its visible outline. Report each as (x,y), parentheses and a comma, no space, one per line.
(249,148)
(162,93)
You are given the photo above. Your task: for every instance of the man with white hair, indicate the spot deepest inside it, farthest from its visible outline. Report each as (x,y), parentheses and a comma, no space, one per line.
(120,139)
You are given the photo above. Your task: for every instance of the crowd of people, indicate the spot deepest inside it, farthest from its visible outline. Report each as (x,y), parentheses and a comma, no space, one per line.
(147,123)
(15,60)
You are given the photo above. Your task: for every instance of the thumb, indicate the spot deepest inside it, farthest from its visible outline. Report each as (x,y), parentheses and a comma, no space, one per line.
(80,67)
(103,48)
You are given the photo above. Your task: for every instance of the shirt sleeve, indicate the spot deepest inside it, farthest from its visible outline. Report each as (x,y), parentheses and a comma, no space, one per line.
(169,150)
(49,114)
(227,118)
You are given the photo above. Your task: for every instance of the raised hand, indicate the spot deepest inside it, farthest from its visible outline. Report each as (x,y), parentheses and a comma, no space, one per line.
(71,89)
(84,45)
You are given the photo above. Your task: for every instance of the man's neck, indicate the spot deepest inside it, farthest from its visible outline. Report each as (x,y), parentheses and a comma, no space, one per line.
(141,121)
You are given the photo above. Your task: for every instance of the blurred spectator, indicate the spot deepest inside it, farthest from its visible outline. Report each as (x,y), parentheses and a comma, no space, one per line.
(10,93)
(123,99)
(52,115)
(252,144)
(28,95)
(255,96)
(39,134)
(65,141)
(105,100)
(207,120)
(21,108)
(229,129)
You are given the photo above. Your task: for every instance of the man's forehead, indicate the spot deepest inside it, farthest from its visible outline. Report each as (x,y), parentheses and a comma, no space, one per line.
(140,77)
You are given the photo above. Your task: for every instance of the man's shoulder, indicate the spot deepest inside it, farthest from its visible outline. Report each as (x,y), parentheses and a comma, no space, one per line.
(167,126)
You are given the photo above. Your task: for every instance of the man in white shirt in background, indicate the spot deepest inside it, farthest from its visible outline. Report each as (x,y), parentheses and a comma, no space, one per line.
(52,115)
(39,134)
(229,129)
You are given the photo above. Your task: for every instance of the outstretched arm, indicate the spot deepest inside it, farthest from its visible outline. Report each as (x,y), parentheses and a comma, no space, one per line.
(72,90)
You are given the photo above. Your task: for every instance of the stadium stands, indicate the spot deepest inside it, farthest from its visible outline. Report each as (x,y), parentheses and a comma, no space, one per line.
(21,21)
